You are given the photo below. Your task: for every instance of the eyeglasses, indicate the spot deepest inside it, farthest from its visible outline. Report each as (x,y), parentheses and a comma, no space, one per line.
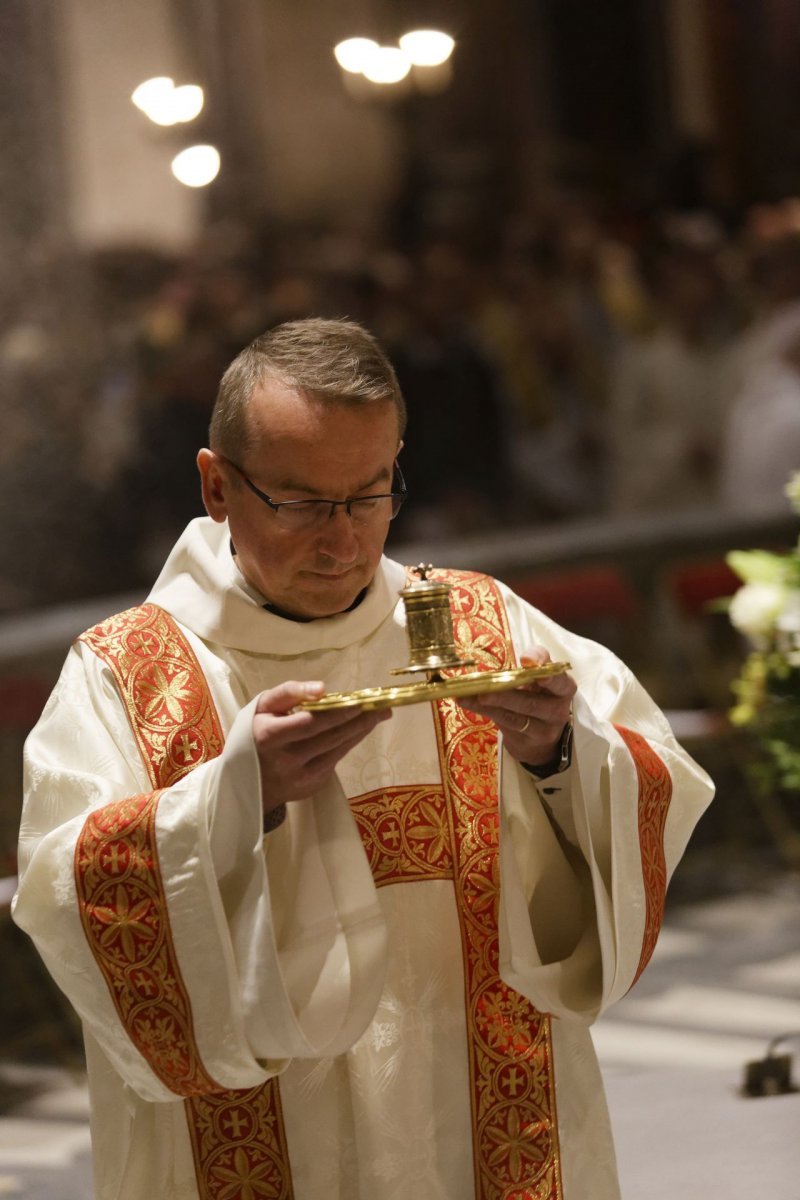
(302,515)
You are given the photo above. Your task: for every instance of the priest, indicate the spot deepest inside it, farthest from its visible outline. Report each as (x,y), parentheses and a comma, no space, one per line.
(339,954)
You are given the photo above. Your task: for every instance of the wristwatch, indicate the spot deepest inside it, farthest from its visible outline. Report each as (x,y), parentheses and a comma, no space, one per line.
(560,760)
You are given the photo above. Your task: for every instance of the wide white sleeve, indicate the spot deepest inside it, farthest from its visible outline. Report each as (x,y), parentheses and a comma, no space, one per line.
(200,959)
(586,856)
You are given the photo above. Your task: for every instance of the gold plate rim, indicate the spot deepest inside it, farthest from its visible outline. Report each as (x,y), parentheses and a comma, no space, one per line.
(476,683)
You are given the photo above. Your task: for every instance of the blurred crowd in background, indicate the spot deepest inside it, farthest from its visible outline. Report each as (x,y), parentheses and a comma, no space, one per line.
(578,364)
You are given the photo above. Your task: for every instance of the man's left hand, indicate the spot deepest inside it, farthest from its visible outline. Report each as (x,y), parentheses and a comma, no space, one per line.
(530,718)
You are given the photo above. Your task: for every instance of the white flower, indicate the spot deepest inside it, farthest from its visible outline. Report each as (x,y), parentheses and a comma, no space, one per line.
(787,629)
(788,619)
(755,608)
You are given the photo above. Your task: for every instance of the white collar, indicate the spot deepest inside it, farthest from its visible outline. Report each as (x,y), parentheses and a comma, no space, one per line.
(201,586)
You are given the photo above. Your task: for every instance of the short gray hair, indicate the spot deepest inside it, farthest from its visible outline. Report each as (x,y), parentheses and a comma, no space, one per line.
(333,361)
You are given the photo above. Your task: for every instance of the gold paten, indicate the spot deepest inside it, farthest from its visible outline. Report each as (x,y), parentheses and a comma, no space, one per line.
(472,683)
(431,640)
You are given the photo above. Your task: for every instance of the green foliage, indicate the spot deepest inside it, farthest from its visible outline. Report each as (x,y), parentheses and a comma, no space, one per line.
(768,706)
(758,566)
(767,690)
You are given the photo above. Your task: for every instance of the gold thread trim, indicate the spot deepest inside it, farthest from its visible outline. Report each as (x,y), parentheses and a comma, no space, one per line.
(515,1127)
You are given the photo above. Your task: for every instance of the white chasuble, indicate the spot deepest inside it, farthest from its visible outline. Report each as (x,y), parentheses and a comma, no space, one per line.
(390,994)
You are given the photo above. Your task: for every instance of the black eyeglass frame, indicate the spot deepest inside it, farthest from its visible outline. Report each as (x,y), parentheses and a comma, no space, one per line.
(398,497)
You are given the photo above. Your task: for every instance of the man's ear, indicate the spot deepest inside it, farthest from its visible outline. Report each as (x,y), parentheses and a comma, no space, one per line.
(213,484)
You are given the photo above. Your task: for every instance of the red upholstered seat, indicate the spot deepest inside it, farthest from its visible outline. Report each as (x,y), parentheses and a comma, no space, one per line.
(577,594)
(22,698)
(694,585)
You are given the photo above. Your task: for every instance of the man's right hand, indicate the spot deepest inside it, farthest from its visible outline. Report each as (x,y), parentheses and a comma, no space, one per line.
(298,750)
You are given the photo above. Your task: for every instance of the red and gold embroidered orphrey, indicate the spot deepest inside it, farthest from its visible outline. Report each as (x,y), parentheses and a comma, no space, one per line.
(237,1136)
(165,693)
(515,1130)
(406,833)
(239,1144)
(655,796)
(124,917)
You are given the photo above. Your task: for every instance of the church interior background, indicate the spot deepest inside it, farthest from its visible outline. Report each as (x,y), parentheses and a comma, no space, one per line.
(582,197)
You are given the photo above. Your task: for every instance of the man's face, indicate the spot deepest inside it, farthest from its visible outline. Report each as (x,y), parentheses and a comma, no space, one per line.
(302,449)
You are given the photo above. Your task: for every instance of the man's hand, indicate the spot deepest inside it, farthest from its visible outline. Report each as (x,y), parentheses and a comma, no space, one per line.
(298,751)
(530,718)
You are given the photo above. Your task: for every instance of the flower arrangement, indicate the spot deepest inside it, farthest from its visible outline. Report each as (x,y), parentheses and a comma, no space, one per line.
(766,609)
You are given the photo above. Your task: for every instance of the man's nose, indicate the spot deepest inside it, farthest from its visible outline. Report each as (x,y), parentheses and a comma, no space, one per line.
(337,537)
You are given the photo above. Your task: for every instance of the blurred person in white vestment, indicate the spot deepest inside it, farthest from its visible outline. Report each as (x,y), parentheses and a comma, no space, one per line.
(669,398)
(761,445)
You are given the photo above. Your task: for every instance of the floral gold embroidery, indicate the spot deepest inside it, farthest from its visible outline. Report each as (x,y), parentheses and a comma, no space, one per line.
(168,703)
(124,916)
(237,1136)
(405,832)
(515,1131)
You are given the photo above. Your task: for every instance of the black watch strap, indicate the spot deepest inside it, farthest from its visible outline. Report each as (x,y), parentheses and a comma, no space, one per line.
(560,761)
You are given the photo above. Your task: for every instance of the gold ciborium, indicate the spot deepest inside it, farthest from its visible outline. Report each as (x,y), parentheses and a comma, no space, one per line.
(429,625)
